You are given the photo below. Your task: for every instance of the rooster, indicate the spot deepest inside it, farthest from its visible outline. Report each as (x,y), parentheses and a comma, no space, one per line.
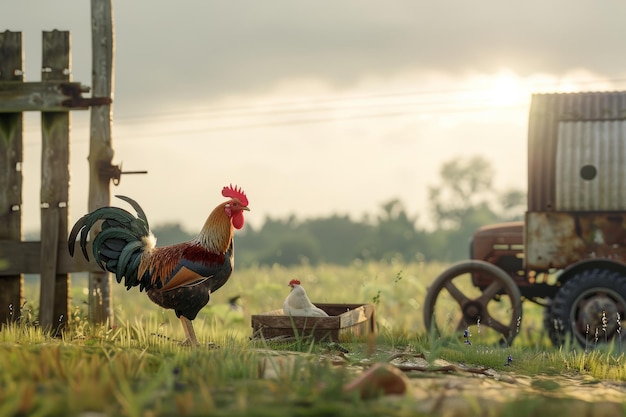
(298,304)
(179,277)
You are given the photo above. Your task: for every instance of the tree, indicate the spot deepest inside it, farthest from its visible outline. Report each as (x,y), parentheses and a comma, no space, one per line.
(466,200)
(394,235)
(513,204)
(397,232)
(292,249)
(463,201)
(466,184)
(339,237)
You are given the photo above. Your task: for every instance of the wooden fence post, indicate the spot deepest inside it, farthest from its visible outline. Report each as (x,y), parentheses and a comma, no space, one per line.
(11,158)
(54,96)
(100,149)
(55,126)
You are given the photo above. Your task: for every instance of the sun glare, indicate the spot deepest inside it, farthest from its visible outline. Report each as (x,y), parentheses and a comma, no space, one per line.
(507,90)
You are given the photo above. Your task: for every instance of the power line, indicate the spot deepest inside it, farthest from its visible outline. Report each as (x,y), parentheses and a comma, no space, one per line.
(293,122)
(289,105)
(485,103)
(274,109)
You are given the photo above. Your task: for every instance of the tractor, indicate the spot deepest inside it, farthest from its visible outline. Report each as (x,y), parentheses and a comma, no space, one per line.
(569,253)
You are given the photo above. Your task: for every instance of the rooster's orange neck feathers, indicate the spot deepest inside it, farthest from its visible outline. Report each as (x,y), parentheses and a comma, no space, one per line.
(218,230)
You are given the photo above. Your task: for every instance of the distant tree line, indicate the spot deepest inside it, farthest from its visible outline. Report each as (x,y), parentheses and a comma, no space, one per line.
(462,201)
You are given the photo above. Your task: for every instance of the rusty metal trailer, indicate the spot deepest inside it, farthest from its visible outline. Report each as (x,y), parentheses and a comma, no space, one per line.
(569,254)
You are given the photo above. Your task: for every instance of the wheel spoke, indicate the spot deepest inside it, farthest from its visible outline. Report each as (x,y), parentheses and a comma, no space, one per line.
(497,326)
(474,308)
(490,292)
(456,293)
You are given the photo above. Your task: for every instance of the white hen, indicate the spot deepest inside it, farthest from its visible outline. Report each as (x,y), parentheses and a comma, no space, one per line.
(298,304)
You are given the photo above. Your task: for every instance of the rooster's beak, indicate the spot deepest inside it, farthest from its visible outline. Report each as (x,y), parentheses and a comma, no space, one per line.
(245,208)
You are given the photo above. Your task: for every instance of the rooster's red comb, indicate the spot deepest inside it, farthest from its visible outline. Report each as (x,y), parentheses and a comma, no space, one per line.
(294,282)
(234,192)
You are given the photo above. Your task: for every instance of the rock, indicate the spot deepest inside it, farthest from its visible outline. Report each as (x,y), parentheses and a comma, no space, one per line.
(378,379)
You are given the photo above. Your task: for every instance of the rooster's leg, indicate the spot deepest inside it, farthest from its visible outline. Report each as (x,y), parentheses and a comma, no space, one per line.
(190,333)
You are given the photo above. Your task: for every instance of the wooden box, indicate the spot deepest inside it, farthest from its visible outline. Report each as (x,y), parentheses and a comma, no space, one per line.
(346,322)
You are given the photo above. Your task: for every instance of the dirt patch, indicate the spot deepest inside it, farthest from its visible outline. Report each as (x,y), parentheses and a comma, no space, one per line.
(451,390)
(471,395)
(454,390)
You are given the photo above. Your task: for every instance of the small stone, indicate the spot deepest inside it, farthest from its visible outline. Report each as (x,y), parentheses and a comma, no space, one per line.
(379,379)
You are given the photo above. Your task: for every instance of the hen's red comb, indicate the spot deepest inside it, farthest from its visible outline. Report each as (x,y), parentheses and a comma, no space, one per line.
(234,192)
(294,282)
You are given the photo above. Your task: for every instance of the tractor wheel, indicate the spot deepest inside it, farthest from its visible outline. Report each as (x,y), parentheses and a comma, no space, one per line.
(590,308)
(453,304)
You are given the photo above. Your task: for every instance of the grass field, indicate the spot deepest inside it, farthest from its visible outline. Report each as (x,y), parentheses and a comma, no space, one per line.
(137,368)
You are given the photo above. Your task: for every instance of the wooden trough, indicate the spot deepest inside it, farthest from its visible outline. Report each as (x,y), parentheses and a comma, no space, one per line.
(345,322)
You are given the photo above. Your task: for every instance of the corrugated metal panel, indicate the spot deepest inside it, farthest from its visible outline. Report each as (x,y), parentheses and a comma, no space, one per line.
(591,166)
(547,112)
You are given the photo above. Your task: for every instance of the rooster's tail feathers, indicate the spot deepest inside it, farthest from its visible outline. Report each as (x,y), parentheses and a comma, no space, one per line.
(140,213)
(110,243)
(128,263)
(112,217)
(119,245)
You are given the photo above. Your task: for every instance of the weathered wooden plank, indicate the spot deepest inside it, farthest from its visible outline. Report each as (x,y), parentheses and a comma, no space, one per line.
(54,303)
(49,96)
(345,321)
(25,257)
(11,157)
(100,144)
(277,319)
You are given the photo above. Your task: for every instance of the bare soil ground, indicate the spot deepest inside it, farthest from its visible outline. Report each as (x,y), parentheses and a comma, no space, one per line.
(451,390)
(472,394)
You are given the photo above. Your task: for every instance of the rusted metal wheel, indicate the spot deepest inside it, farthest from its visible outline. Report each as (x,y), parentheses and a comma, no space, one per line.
(453,305)
(590,308)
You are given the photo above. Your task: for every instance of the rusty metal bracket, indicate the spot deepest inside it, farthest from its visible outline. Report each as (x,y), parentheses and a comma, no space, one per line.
(47,96)
(74,92)
(114,172)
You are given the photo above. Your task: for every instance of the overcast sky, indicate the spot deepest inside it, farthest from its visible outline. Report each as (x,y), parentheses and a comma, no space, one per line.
(317,107)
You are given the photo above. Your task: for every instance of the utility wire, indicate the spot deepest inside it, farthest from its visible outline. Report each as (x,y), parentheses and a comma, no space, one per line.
(286,108)
(289,105)
(294,122)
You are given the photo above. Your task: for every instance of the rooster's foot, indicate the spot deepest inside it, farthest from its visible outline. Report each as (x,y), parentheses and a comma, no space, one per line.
(190,343)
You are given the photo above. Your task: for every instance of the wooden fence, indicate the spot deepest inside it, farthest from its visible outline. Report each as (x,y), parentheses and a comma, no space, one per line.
(55,96)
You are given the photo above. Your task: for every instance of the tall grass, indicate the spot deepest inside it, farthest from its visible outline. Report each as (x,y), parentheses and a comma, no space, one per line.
(124,372)
(135,366)
(396,290)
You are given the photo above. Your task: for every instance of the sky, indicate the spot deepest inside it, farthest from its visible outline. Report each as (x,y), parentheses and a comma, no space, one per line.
(316,108)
